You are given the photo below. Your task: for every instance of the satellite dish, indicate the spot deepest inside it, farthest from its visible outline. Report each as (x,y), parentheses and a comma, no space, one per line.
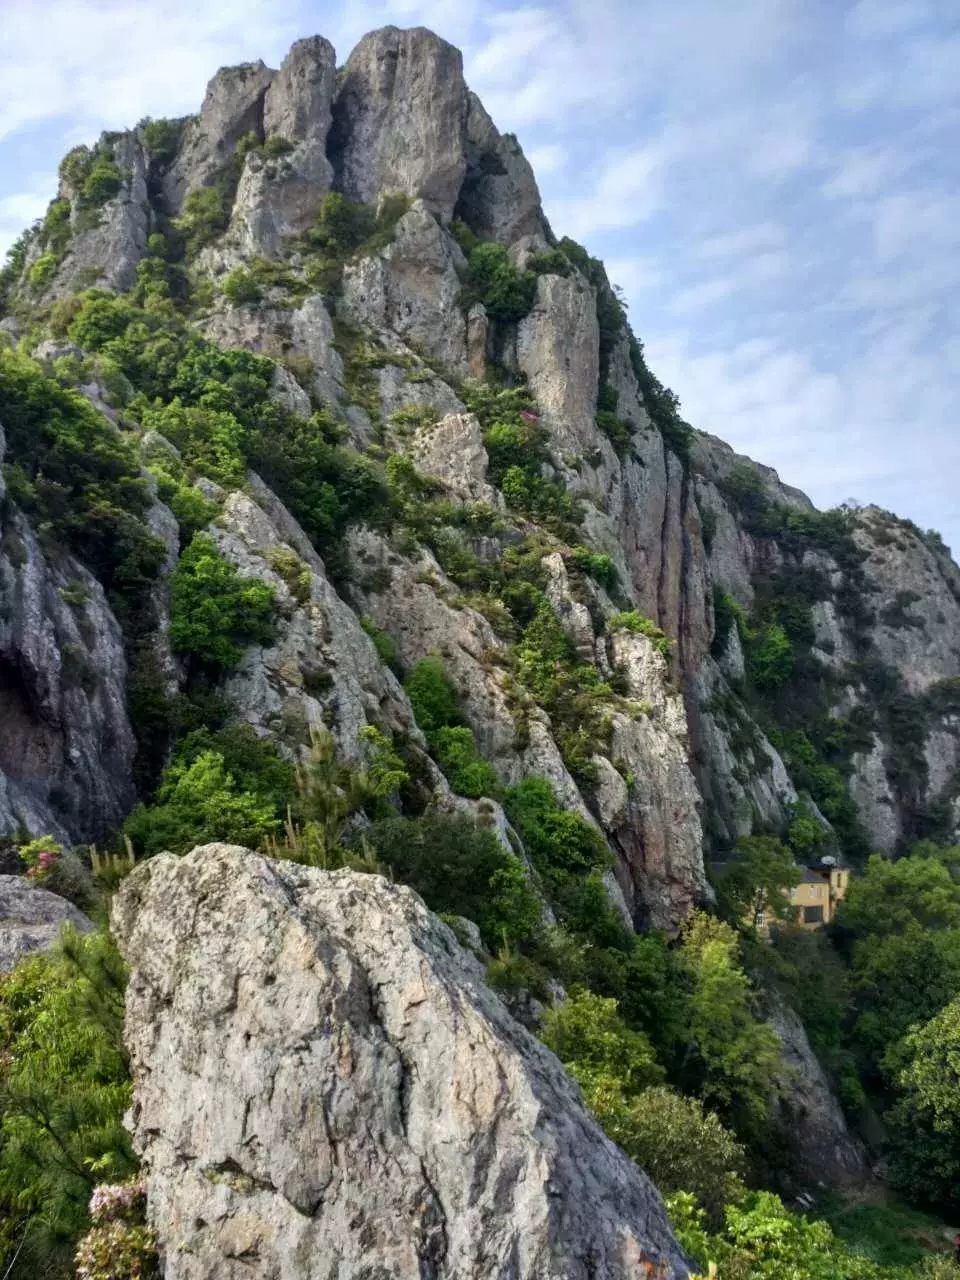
(828,861)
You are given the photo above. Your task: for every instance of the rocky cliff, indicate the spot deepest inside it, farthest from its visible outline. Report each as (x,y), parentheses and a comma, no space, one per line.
(337,1081)
(324,326)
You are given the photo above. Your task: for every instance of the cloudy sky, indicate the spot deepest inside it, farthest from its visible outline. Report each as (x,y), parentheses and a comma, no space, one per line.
(774,183)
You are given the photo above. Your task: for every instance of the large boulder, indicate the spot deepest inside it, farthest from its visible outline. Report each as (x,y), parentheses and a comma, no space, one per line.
(333,1090)
(31,920)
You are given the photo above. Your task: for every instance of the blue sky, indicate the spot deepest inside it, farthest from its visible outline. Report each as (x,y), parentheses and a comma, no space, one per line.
(774,183)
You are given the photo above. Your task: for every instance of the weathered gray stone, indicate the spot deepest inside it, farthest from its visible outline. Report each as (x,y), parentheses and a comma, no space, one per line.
(452,452)
(333,1086)
(558,347)
(31,919)
(106,255)
(232,108)
(806,1110)
(66,747)
(412,288)
(279,197)
(499,199)
(400,120)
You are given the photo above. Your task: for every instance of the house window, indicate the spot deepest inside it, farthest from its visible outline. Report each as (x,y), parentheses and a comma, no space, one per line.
(813,915)
(760,919)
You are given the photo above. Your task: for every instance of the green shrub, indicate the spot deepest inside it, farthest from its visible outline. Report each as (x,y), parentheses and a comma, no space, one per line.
(433,695)
(161,138)
(384,643)
(297,575)
(455,751)
(617,431)
(63,1091)
(506,293)
(73,470)
(462,869)
(200,801)
(214,612)
(103,180)
(241,288)
(596,565)
(43,271)
(770,657)
(634,621)
(205,217)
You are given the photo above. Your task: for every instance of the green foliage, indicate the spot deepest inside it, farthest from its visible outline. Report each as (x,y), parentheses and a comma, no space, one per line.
(387,648)
(763,1240)
(43,271)
(204,217)
(732,1055)
(343,230)
(570,856)
(588,1035)
(926,1119)
(770,657)
(455,750)
(757,880)
(492,279)
(77,476)
(617,430)
(103,180)
(595,565)
(634,621)
(161,138)
(241,288)
(460,868)
(229,785)
(63,1091)
(214,612)
(677,1142)
(297,575)
(433,695)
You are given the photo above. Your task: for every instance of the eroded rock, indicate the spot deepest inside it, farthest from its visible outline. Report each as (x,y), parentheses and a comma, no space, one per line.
(334,1087)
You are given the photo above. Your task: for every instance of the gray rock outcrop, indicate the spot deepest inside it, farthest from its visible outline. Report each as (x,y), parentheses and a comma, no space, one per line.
(31,919)
(333,1089)
(399,120)
(66,746)
(807,1111)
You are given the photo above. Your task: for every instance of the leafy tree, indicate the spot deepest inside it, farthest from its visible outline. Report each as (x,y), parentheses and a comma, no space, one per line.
(891,896)
(588,1035)
(63,1091)
(770,657)
(214,612)
(506,293)
(758,879)
(433,695)
(199,801)
(462,869)
(730,1055)
(926,1119)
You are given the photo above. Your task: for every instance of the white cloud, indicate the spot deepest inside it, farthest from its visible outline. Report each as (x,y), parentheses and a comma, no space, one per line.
(626,191)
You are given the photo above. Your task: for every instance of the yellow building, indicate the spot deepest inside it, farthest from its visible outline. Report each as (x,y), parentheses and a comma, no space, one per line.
(819,893)
(815,898)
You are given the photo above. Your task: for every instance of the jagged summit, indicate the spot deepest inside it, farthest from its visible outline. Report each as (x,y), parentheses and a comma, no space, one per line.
(396,118)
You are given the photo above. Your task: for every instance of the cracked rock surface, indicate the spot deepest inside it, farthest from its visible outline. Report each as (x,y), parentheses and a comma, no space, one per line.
(325,1087)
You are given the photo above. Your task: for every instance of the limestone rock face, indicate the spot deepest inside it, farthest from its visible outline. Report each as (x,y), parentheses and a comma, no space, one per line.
(333,1088)
(452,452)
(808,1113)
(279,198)
(66,746)
(499,199)
(412,288)
(31,920)
(107,253)
(232,108)
(322,668)
(399,120)
(558,348)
